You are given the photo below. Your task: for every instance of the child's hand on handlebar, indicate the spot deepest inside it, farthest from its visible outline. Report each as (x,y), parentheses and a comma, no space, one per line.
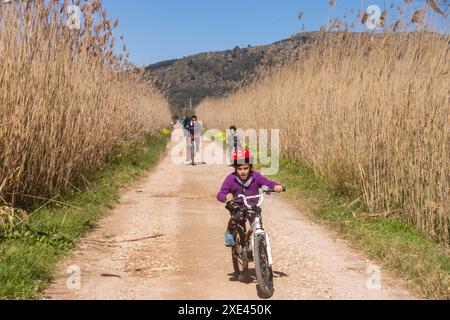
(230,197)
(279,189)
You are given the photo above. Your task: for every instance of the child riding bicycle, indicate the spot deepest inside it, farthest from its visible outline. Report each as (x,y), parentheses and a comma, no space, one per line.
(243,181)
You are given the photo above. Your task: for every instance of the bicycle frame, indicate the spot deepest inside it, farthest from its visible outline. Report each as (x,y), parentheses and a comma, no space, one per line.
(257,228)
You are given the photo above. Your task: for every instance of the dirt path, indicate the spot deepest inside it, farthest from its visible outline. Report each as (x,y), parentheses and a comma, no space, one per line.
(164,240)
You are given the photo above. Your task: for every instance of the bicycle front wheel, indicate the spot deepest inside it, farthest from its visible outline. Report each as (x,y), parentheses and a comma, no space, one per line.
(263,270)
(193,152)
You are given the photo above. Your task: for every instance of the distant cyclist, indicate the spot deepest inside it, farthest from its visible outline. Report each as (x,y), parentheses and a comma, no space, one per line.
(194,132)
(234,142)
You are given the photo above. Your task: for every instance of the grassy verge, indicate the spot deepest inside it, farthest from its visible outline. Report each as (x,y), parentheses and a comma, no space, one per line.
(394,244)
(28,257)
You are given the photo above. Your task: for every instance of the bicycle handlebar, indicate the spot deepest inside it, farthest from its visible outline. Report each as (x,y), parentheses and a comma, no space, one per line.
(271,190)
(265,190)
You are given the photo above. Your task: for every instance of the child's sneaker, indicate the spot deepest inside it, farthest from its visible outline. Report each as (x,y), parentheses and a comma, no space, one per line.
(229,239)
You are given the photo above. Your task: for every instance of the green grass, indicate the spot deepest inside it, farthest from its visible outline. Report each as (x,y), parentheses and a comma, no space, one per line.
(393,243)
(28,256)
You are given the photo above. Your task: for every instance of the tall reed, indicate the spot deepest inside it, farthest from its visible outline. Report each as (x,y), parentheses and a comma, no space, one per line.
(66,98)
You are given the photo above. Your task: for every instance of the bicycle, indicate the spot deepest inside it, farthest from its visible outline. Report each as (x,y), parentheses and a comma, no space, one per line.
(192,149)
(252,245)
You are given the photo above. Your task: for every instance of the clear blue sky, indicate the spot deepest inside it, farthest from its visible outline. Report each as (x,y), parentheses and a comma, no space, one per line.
(157,30)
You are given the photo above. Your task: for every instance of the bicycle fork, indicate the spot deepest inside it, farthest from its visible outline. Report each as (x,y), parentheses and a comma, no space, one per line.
(258,231)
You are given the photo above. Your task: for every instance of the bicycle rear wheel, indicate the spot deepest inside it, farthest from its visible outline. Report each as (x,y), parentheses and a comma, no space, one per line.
(262,268)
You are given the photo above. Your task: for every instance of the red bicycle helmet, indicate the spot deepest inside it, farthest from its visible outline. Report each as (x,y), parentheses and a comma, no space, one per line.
(242,156)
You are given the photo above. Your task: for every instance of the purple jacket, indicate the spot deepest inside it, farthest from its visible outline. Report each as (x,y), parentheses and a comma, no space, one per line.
(231,185)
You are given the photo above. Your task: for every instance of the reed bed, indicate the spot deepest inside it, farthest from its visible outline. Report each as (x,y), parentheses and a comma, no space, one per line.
(66,99)
(369,112)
